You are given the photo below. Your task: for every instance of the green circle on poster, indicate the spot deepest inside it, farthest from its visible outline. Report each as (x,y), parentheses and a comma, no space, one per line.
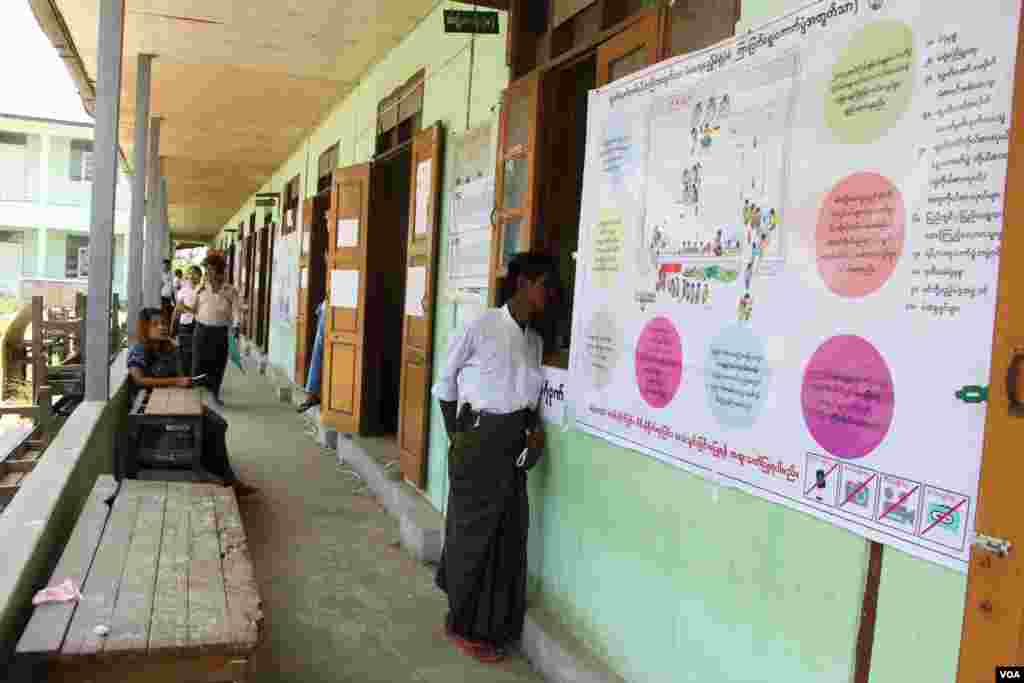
(872,83)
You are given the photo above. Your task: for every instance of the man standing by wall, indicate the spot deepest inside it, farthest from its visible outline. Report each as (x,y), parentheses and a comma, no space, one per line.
(494,368)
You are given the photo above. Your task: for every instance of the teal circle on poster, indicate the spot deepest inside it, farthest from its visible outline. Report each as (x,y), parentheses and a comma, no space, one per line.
(736,377)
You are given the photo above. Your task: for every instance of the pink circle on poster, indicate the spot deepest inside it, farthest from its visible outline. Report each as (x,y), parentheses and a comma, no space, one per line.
(860,234)
(848,396)
(659,362)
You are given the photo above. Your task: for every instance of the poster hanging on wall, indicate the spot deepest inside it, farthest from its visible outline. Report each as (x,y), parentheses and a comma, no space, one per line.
(285,291)
(789,251)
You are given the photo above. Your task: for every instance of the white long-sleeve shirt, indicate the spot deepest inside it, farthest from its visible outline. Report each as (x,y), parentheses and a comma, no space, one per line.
(493,365)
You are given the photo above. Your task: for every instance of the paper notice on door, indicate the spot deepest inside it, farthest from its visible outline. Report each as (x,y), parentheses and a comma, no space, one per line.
(348,233)
(345,288)
(424,188)
(416,291)
(305,242)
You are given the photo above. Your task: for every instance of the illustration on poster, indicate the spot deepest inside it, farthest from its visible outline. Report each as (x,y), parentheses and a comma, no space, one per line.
(775,232)
(716,231)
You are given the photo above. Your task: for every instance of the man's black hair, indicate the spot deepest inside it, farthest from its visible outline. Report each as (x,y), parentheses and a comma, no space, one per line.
(531,265)
(147,314)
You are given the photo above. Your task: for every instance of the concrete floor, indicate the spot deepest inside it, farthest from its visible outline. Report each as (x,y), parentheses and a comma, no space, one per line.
(342,601)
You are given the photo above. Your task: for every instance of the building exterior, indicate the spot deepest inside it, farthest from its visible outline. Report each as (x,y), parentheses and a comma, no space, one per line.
(658,572)
(45,195)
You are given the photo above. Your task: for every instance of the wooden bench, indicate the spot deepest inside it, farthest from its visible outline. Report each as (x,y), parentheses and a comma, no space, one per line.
(167,571)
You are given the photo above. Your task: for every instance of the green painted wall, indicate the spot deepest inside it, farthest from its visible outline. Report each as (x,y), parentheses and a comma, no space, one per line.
(663,575)
(56,254)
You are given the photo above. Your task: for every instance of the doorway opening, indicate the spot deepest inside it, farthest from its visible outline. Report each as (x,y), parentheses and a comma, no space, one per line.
(385,274)
(317,277)
(563,156)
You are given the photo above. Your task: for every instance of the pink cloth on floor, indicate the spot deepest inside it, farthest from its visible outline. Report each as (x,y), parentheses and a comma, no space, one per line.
(62,592)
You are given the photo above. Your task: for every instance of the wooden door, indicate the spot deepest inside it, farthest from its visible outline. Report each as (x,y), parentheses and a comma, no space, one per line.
(515,223)
(305,316)
(631,50)
(993,630)
(243,281)
(259,286)
(271,239)
(342,391)
(418,319)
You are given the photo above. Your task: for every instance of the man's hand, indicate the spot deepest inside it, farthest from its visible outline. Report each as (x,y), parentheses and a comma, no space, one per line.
(183,382)
(536,439)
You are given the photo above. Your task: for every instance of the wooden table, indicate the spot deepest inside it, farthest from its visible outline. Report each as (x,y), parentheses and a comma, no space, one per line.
(173,401)
(167,571)
(163,415)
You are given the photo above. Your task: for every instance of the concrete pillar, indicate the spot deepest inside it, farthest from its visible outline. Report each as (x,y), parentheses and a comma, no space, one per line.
(104,195)
(137,230)
(151,253)
(165,221)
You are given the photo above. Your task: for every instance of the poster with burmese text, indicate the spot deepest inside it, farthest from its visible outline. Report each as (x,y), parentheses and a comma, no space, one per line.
(789,248)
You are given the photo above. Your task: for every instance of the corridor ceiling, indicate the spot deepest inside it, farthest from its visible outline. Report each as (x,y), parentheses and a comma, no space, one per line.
(239,83)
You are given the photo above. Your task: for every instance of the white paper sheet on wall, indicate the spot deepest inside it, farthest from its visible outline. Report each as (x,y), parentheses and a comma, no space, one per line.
(348,233)
(424,187)
(415,291)
(345,288)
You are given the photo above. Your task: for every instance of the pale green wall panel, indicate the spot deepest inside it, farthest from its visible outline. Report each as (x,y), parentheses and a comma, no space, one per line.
(56,254)
(29,249)
(920,616)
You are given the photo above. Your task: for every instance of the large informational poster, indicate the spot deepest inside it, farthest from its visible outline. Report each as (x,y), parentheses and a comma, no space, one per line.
(789,248)
(285,292)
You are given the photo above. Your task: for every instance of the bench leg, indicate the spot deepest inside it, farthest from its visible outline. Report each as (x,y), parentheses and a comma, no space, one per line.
(240,670)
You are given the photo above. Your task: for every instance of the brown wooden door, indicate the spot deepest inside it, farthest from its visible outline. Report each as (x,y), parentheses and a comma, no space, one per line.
(271,239)
(260,284)
(418,319)
(632,50)
(993,630)
(243,284)
(341,399)
(304,317)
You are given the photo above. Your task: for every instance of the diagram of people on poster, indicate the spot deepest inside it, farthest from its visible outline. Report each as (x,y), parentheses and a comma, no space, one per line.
(789,248)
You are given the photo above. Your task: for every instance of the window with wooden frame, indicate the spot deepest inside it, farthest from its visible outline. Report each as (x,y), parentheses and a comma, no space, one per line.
(325,167)
(542,153)
(399,115)
(515,214)
(546,31)
(290,207)
(81,166)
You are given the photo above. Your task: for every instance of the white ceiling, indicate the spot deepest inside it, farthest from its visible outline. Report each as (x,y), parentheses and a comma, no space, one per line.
(240,84)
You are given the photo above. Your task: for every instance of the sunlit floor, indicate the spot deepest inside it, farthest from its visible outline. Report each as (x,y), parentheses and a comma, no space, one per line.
(343,602)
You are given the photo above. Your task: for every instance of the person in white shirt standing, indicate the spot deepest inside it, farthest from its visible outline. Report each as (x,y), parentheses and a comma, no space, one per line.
(215,309)
(167,292)
(185,313)
(494,368)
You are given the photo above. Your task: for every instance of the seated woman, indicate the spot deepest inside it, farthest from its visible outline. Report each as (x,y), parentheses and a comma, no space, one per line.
(153,363)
